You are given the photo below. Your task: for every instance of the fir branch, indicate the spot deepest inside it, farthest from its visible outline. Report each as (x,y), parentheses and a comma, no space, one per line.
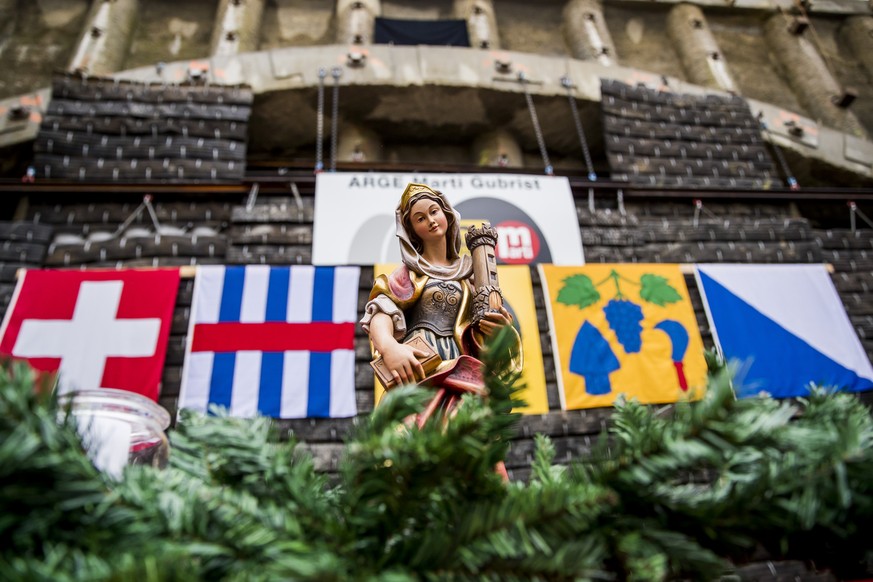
(663,496)
(543,468)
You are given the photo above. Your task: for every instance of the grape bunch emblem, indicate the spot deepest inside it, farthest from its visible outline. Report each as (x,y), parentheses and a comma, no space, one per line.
(623,315)
(624,319)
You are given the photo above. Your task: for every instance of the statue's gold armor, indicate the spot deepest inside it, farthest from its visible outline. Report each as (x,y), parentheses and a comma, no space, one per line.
(437,308)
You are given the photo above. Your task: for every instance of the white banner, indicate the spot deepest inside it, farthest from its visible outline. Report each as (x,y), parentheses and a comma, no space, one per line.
(535,216)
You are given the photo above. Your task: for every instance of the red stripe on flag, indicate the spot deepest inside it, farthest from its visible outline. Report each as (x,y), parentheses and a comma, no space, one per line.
(273,337)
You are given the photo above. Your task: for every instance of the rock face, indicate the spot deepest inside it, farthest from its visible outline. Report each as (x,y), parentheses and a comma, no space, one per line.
(804,70)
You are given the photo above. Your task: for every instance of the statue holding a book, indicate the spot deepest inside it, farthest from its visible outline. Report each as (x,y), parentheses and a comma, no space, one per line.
(429,319)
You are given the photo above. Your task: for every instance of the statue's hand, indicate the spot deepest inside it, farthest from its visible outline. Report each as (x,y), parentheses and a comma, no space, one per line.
(491,322)
(402,361)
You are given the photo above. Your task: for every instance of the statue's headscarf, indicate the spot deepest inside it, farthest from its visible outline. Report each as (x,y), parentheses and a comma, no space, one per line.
(410,246)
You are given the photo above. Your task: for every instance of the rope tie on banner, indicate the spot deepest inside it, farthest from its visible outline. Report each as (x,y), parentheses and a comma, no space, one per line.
(297,200)
(541,142)
(146,204)
(319,121)
(698,208)
(336,73)
(853,210)
(253,196)
(790,179)
(592,176)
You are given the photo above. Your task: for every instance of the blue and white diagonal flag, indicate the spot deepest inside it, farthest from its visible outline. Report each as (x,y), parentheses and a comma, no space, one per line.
(787,324)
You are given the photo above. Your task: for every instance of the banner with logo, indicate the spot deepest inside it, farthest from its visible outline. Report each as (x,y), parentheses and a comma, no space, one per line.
(515,283)
(535,216)
(623,329)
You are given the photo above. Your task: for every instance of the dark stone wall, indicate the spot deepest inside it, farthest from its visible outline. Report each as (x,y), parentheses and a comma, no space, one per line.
(35,43)
(169,30)
(833,37)
(641,40)
(741,38)
(278,230)
(533,27)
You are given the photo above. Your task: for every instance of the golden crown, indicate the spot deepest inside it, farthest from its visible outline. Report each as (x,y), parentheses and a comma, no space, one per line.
(412,190)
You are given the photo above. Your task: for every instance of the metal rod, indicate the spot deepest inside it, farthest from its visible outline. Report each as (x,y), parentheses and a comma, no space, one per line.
(541,142)
(580,132)
(783,164)
(336,73)
(319,122)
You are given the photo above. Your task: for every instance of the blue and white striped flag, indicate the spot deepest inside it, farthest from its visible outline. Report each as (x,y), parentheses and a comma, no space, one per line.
(276,341)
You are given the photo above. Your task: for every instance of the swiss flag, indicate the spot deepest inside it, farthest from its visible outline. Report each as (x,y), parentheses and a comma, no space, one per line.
(104,329)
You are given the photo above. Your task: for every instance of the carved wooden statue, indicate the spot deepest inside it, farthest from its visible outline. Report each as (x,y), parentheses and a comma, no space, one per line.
(431,298)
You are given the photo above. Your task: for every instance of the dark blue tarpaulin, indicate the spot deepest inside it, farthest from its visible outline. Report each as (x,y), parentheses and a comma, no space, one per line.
(413,32)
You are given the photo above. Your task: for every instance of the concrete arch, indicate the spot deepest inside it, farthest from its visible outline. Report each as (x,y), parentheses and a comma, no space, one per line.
(414,86)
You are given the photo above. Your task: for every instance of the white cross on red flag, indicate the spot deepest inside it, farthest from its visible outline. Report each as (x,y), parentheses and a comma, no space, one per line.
(96,329)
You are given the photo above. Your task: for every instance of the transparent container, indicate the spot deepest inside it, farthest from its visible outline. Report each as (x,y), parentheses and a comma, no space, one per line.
(120,428)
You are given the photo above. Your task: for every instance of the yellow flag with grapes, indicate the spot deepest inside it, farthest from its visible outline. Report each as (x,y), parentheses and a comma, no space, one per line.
(623,329)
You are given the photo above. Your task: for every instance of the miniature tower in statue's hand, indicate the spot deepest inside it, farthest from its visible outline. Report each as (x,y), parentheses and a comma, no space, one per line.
(482,243)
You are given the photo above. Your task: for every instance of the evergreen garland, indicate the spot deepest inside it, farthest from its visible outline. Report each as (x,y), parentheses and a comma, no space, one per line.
(663,496)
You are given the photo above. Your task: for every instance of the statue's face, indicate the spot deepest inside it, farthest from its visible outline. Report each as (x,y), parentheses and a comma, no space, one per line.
(428,221)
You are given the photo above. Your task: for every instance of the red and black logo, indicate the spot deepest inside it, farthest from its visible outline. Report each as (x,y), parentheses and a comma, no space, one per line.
(519,239)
